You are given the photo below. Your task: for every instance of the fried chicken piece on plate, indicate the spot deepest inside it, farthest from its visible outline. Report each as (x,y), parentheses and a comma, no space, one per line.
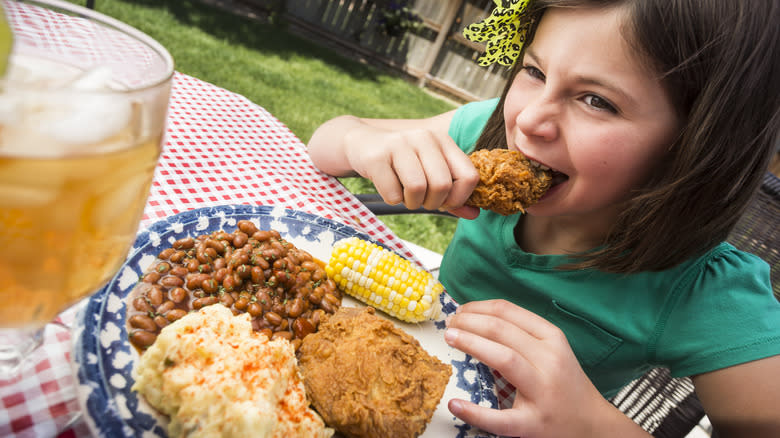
(508,181)
(368,378)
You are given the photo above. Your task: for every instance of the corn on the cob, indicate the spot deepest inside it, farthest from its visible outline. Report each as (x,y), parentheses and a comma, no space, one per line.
(384,280)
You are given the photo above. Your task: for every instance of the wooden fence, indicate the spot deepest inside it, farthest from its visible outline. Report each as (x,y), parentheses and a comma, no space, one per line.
(436,54)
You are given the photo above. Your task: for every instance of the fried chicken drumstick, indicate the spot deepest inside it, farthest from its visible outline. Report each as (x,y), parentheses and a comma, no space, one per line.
(367,378)
(508,182)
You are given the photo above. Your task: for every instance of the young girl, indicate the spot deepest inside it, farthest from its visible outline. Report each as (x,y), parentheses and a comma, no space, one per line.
(658,118)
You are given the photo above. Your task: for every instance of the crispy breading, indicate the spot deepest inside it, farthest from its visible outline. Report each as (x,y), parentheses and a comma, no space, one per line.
(368,378)
(508,183)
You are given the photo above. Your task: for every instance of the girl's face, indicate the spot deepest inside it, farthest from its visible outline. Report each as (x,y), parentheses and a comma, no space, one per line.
(585,106)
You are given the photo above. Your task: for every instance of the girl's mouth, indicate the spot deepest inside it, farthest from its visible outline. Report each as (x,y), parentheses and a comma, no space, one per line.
(557,177)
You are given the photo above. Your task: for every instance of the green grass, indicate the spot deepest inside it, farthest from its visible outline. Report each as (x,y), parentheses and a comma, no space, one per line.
(298,81)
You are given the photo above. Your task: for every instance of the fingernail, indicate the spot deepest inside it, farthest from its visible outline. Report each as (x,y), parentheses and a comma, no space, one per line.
(450,335)
(447,321)
(456,406)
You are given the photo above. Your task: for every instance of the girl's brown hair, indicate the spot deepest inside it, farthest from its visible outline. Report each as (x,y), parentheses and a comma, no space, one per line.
(720,63)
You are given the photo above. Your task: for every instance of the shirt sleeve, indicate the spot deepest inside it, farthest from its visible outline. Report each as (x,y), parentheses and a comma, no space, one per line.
(468,122)
(723,313)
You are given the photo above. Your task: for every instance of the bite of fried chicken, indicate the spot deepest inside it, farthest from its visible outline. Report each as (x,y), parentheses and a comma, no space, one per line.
(508,181)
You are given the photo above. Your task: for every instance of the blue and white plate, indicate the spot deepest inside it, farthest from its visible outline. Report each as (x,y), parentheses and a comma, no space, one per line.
(104,358)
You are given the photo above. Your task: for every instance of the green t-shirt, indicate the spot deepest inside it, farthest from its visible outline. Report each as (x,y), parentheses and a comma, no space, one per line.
(708,313)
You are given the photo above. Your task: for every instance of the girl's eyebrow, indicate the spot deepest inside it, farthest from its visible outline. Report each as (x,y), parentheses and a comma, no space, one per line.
(586,80)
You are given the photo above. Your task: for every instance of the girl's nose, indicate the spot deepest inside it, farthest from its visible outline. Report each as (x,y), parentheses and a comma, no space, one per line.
(539,118)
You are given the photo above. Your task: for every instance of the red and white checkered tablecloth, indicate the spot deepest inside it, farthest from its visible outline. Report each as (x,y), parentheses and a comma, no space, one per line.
(220,148)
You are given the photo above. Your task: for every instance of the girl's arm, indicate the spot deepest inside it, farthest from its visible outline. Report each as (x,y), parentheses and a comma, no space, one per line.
(743,400)
(413,162)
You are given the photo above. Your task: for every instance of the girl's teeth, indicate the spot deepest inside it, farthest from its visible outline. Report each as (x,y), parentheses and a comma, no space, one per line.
(539,165)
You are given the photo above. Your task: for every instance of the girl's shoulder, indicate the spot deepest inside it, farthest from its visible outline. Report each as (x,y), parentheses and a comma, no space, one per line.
(468,122)
(721,312)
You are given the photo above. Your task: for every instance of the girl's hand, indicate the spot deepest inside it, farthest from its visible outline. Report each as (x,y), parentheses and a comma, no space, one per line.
(410,161)
(554,397)
(418,167)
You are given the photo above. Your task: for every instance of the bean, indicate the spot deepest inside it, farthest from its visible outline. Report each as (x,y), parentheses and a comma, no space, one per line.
(165,307)
(142,339)
(281,264)
(327,307)
(151,277)
(226,300)
(179,271)
(239,239)
(267,332)
(318,275)
(162,268)
(238,259)
(229,283)
(220,246)
(195,281)
(203,302)
(219,263)
(177,294)
(172,281)
(210,285)
(178,256)
(247,227)
(273,318)
(309,266)
(143,322)
(192,265)
(257,275)
(156,295)
(220,275)
(254,309)
(332,300)
(282,335)
(261,236)
(244,271)
(175,314)
(302,327)
(296,343)
(241,303)
(316,295)
(142,305)
(295,307)
(160,321)
(166,253)
(258,259)
(264,298)
(316,317)
(185,243)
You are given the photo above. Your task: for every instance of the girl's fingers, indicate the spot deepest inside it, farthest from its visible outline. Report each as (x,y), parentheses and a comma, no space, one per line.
(517,365)
(464,176)
(522,318)
(499,422)
(439,179)
(465,212)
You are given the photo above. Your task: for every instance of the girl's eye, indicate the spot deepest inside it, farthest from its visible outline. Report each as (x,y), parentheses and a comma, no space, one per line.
(599,103)
(533,72)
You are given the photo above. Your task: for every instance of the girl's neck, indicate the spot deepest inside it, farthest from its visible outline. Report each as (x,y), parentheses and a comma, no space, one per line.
(559,235)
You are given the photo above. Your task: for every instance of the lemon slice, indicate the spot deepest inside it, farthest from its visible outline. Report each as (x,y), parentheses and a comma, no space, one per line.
(6,42)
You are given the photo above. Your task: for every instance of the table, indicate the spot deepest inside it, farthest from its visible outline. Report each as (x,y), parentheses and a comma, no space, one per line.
(220,148)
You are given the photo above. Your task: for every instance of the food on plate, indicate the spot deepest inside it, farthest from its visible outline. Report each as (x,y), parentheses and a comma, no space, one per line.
(367,378)
(384,280)
(216,377)
(508,181)
(284,289)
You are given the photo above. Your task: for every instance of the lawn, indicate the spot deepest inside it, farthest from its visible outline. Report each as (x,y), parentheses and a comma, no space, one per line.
(302,83)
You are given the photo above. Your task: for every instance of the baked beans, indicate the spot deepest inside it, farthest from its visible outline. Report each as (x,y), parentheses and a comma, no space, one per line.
(284,289)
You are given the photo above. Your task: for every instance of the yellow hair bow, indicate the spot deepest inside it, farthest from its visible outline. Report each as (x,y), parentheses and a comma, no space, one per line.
(502,31)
